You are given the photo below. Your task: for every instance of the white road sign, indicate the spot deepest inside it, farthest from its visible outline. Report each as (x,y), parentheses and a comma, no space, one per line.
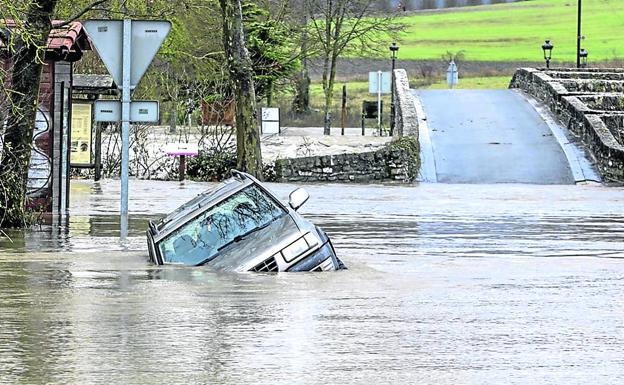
(270,120)
(141,111)
(147,37)
(374,84)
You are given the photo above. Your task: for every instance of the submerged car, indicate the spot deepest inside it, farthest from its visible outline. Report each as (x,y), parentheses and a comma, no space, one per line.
(241,226)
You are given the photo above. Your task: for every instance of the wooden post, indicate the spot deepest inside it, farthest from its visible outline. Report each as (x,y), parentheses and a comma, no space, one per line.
(182,169)
(363,123)
(344,108)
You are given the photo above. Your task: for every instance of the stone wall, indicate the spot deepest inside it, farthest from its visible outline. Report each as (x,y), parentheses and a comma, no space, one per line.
(405,115)
(590,103)
(398,162)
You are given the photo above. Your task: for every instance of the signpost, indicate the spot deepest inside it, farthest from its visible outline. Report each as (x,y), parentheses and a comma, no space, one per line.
(379,83)
(270,120)
(182,150)
(452,75)
(127,47)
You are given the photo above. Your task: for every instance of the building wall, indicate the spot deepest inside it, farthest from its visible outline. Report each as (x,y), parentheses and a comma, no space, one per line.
(47,176)
(40,172)
(61,140)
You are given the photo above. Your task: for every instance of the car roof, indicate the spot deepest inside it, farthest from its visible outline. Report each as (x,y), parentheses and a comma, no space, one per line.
(203,201)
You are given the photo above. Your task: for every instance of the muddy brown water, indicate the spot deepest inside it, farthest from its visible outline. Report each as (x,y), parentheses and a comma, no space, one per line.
(447,284)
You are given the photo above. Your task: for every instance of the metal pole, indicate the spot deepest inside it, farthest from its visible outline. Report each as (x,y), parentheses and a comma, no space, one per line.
(392,96)
(578,36)
(125,124)
(379,101)
(98,152)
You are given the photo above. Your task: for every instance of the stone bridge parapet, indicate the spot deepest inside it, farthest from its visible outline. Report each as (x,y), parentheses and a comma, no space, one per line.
(590,103)
(405,114)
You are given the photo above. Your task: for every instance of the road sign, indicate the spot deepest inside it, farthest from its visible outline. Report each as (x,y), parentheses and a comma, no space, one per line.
(146,39)
(376,86)
(127,47)
(141,111)
(182,149)
(452,75)
(270,120)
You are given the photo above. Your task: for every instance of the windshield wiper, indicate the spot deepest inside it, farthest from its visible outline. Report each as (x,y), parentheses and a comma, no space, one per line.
(240,237)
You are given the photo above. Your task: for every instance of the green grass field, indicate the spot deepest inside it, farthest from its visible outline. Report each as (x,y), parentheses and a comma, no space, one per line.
(492,82)
(515,31)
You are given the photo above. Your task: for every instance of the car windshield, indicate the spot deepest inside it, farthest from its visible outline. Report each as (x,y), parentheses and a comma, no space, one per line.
(201,238)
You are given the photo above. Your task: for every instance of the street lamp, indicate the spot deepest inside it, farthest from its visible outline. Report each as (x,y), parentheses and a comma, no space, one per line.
(583,57)
(547,47)
(393,49)
(579,36)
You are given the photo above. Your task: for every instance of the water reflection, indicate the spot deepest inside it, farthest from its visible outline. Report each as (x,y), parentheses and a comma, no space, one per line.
(447,284)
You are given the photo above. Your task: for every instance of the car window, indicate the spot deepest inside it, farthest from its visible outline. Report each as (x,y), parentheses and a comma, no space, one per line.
(201,238)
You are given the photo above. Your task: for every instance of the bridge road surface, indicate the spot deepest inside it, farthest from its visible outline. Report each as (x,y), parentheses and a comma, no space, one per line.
(491,136)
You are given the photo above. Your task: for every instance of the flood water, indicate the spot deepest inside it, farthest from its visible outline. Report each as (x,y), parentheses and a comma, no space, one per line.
(447,284)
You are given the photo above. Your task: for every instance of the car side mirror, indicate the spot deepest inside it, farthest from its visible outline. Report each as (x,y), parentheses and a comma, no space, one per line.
(297,198)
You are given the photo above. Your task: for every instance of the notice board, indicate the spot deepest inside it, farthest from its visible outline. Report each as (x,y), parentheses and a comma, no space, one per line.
(81,133)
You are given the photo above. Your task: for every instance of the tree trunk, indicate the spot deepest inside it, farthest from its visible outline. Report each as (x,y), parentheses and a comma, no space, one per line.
(249,156)
(328,94)
(23,101)
(327,90)
(269,95)
(301,102)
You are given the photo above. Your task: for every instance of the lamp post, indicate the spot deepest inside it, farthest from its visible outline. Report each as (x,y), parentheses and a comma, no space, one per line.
(578,35)
(583,57)
(547,47)
(393,49)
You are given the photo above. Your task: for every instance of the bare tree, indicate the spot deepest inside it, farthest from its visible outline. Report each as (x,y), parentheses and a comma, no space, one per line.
(341,26)
(26,55)
(249,156)
(24,43)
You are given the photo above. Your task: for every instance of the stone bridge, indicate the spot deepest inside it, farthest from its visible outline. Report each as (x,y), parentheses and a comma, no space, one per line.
(552,127)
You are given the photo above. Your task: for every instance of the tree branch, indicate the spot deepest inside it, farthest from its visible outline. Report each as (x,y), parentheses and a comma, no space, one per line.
(79,14)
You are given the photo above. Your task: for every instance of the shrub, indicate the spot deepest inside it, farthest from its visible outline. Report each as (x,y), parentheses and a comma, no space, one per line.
(211,165)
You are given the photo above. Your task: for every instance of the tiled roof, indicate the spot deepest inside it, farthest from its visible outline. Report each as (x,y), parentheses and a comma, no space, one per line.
(68,38)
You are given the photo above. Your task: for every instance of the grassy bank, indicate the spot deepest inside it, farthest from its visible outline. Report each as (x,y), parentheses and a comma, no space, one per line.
(515,31)
(487,83)
(357,92)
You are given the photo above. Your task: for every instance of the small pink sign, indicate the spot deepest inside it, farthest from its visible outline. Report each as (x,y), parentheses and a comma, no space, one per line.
(179,149)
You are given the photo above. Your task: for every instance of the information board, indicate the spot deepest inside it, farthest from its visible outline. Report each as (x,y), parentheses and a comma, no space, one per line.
(81,133)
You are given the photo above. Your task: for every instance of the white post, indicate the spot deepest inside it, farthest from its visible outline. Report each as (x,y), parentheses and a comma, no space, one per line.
(125,123)
(379,101)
